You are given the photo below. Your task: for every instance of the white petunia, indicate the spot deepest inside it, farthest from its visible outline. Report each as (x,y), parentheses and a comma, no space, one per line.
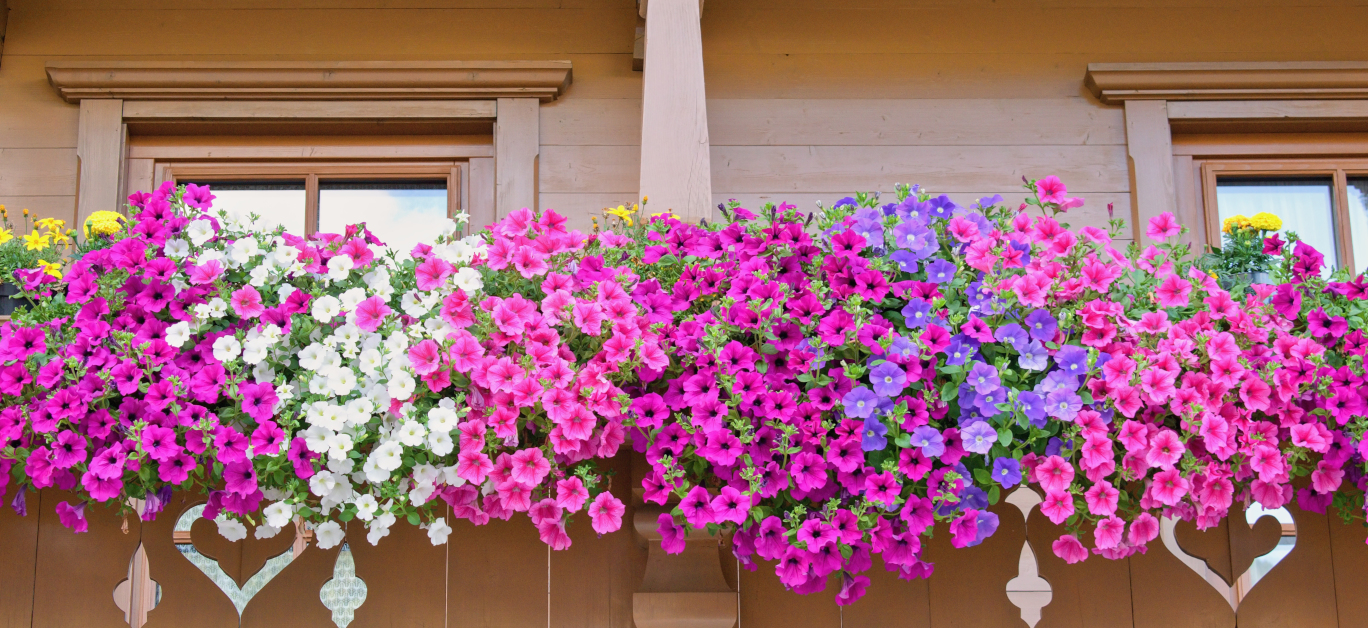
(338,447)
(412,433)
(440,443)
(311,357)
(343,466)
(226,349)
(177,334)
(326,307)
(329,535)
(374,535)
(316,438)
(217,307)
(388,456)
(426,474)
(339,267)
(366,507)
(318,385)
(256,351)
(231,529)
(177,248)
(442,419)
(284,292)
(439,531)
(279,514)
(200,231)
(322,483)
(450,478)
(352,298)
(263,373)
(373,473)
(266,532)
(401,386)
(342,381)
(259,275)
(468,279)
(370,361)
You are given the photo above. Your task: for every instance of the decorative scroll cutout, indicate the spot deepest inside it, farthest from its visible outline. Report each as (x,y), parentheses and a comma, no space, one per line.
(345,592)
(137,594)
(1028,591)
(1256,571)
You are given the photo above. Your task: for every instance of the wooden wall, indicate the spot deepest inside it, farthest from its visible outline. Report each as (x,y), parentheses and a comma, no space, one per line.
(809,99)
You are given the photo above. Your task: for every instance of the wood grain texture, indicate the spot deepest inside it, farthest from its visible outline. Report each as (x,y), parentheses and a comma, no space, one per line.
(239,559)
(1165,593)
(497,575)
(592,582)
(76,573)
(913,122)
(1095,592)
(101,154)
(889,602)
(969,586)
(592,121)
(307,110)
(675,161)
(516,151)
(1149,146)
(1300,590)
(37,172)
(766,603)
(405,578)
(17,562)
(31,114)
(482,211)
(291,598)
(1348,554)
(188,596)
(63,207)
(1245,109)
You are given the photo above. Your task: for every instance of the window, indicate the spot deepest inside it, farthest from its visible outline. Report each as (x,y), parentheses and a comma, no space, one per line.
(1324,201)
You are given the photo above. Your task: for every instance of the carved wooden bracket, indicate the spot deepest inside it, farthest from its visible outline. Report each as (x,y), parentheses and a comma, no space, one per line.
(682,590)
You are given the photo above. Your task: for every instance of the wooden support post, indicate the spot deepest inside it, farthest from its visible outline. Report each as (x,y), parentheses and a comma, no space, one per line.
(100,151)
(1150,148)
(686,590)
(676,170)
(517,144)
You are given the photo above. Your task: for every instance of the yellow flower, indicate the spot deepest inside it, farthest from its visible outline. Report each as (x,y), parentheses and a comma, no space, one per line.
(51,268)
(104,222)
(5,236)
(1266,222)
(51,224)
(623,213)
(35,242)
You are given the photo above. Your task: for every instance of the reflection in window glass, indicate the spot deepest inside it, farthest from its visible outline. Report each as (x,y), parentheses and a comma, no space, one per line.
(1358,221)
(400,213)
(1304,206)
(275,202)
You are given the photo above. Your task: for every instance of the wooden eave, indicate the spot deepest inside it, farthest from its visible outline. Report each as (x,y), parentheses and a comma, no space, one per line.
(1114,83)
(303,80)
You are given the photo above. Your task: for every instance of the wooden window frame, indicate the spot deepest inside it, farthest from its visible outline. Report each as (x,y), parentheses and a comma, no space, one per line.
(312,173)
(1337,170)
(508,94)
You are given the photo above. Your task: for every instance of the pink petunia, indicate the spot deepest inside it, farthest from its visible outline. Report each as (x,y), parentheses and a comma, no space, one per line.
(1051,190)
(571,494)
(432,273)
(1108,532)
(1169,487)
(1054,474)
(425,356)
(1143,529)
(371,313)
(530,467)
(246,302)
(1173,292)
(1058,506)
(1163,227)
(1102,498)
(1069,549)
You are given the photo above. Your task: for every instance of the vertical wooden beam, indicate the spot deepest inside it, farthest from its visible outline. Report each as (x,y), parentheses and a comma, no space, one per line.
(676,170)
(100,152)
(1149,145)
(4,23)
(482,212)
(517,144)
(1189,202)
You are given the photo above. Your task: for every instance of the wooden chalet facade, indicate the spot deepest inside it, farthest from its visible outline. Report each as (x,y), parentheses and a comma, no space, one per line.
(1143,106)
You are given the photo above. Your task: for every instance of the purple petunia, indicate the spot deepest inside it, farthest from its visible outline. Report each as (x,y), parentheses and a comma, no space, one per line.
(929,440)
(888,379)
(1072,359)
(940,271)
(1007,472)
(873,435)
(1041,325)
(917,313)
(860,402)
(979,437)
(984,378)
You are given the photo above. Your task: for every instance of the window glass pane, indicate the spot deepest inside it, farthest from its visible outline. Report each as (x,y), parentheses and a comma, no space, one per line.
(1358,221)
(275,202)
(1304,206)
(400,213)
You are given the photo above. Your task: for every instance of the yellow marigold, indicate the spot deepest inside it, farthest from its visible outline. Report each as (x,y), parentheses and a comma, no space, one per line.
(104,222)
(1266,222)
(35,242)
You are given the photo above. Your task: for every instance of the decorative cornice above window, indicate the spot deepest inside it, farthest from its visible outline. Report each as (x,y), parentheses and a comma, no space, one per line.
(305,80)
(1114,83)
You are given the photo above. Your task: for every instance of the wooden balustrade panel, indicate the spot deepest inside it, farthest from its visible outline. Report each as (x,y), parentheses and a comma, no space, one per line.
(497,575)
(1212,545)
(1300,590)
(76,573)
(188,596)
(18,551)
(765,602)
(1093,593)
(969,585)
(890,602)
(292,597)
(1166,593)
(592,582)
(1349,555)
(405,577)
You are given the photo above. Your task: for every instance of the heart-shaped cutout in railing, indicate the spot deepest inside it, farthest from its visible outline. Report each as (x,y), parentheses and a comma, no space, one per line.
(1258,566)
(239,570)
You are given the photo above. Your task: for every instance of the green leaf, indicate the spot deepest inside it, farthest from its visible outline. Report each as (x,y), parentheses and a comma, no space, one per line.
(983,476)
(1087,398)
(1004,437)
(413,519)
(994,494)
